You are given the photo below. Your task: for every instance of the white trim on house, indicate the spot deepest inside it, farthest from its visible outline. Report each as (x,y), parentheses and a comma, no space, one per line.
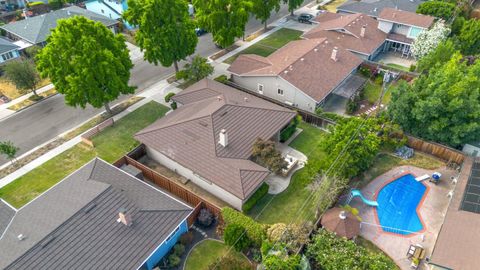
(411,25)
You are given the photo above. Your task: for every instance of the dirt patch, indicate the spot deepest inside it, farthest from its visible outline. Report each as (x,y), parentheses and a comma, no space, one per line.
(223,52)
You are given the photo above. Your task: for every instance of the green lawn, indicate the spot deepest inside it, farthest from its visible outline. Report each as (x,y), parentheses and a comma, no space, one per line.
(206,253)
(111,144)
(399,67)
(268,45)
(284,206)
(372,92)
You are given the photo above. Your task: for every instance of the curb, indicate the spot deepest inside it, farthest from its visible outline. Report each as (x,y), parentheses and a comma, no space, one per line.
(28,106)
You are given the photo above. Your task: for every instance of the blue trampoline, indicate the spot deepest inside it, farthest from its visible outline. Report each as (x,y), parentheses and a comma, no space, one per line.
(397,204)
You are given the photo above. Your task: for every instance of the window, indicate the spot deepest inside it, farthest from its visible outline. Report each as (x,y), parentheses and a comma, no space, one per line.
(8,55)
(172,234)
(260,88)
(280,91)
(414,32)
(102,11)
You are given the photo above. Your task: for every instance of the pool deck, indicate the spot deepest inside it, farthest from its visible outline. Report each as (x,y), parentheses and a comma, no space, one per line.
(432,211)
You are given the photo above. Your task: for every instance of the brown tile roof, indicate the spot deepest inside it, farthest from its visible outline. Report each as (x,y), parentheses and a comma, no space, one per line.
(399,38)
(344,30)
(189,135)
(306,64)
(458,242)
(348,227)
(406,17)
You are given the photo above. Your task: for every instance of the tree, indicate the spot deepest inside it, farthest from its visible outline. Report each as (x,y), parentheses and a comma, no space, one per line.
(292,5)
(55,4)
(197,70)
(225,19)
(86,62)
(23,75)
(9,150)
(32,51)
(281,261)
(230,262)
(265,154)
(443,105)
(236,236)
(428,40)
(441,54)
(166,33)
(439,9)
(469,40)
(263,8)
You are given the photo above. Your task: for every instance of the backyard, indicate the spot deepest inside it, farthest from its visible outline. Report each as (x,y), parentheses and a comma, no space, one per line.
(372,91)
(270,44)
(207,252)
(110,145)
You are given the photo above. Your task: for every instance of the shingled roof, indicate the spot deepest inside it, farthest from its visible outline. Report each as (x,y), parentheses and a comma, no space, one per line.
(374,7)
(306,64)
(405,17)
(74,224)
(6,46)
(345,30)
(189,135)
(36,29)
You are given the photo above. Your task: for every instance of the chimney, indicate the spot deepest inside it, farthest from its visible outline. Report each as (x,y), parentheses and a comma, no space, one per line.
(342,215)
(223,138)
(334,56)
(124,217)
(245,99)
(362,31)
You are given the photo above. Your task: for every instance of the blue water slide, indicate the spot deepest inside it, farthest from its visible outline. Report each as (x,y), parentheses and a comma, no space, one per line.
(356,193)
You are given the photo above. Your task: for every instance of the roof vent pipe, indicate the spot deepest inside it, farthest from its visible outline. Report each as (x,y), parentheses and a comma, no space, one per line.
(334,55)
(342,215)
(362,31)
(223,138)
(20,237)
(124,217)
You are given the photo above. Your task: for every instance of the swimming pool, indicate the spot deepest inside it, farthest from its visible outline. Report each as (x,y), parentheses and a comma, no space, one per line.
(397,205)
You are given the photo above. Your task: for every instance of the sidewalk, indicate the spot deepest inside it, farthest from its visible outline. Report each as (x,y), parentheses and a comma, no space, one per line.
(4,111)
(156,92)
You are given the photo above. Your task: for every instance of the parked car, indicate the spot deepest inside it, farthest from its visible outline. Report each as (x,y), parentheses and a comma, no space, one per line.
(305,18)
(200,31)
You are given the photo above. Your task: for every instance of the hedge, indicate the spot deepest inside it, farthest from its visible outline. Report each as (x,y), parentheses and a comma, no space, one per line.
(255,231)
(261,191)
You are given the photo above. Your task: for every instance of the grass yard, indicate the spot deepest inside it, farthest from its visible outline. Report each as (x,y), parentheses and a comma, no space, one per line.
(8,89)
(270,44)
(332,6)
(284,206)
(372,92)
(206,253)
(372,248)
(399,67)
(110,145)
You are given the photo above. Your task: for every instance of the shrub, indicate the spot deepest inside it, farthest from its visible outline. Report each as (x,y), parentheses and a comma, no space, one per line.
(265,153)
(379,79)
(236,236)
(261,191)
(438,9)
(178,249)
(352,106)
(186,238)
(290,129)
(197,70)
(169,96)
(205,218)
(412,68)
(292,236)
(255,231)
(222,78)
(173,260)
(230,262)
(281,262)
(173,105)
(365,71)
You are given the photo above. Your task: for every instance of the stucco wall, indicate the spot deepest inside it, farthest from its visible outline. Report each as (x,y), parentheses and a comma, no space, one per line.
(102,9)
(270,89)
(401,29)
(165,247)
(196,179)
(385,26)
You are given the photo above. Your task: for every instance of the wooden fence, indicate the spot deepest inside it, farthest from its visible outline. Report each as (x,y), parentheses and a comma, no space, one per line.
(308,117)
(437,150)
(87,135)
(372,66)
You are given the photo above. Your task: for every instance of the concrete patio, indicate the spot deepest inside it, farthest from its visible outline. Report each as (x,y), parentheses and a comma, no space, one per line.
(432,212)
(395,58)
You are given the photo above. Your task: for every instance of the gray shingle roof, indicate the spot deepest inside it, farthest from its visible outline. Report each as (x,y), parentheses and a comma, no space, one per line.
(6,46)
(74,224)
(36,29)
(190,134)
(374,7)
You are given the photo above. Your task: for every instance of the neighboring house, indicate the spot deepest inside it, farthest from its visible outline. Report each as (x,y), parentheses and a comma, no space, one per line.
(357,33)
(35,30)
(99,217)
(209,138)
(110,8)
(402,28)
(458,241)
(302,73)
(374,7)
(8,50)
(472,149)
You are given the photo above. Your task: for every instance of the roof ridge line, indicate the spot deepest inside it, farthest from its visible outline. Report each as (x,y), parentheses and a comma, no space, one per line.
(173,124)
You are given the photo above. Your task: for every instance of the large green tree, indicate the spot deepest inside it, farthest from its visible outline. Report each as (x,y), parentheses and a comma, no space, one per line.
(263,8)
(86,62)
(443,105)
(23,75)
(197,70)
(166,33)
(438,9)
(225,19)
(441,54)
(469,37)
(292,5)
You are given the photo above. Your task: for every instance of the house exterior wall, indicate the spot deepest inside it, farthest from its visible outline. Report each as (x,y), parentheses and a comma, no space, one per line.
(195,178)
(165,247)
(100,7)
(385,26)
(271,84)
(10,55)
(401,29)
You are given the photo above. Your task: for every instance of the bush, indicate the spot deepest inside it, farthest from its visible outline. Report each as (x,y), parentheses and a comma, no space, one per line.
(55,4)
(173,105)
(205,218)
(230,262)
(186,238)
(178,249)
(235,235)
(412,68)
(352,106)
(379,79)
(169,96)
(438,9)
(222,78)
(261,191)
(173,260)
(365,71)
(290,129)
(255,231)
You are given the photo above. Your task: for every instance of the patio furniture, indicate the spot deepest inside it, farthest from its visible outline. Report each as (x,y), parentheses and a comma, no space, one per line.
(416,253)
(291,162)
(436,177)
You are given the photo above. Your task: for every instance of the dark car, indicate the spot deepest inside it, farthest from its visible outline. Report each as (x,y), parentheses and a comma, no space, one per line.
(305,18)
(200,31)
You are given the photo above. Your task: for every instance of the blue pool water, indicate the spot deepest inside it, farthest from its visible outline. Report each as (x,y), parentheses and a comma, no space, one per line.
(397,204)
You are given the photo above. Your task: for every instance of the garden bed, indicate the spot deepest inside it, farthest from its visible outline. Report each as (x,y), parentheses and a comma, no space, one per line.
(32,100)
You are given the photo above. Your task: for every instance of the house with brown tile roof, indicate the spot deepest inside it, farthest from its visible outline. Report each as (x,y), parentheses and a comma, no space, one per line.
(302,73)
(402,28)
(209,138)
(357,33)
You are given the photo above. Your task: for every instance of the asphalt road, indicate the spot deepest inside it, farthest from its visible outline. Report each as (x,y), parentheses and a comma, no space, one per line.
(47,119)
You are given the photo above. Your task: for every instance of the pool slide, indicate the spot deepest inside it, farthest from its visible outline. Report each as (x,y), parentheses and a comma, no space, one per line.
(356,193)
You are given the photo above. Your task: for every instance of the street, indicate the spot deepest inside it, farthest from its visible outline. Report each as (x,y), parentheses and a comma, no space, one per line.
(47,119)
